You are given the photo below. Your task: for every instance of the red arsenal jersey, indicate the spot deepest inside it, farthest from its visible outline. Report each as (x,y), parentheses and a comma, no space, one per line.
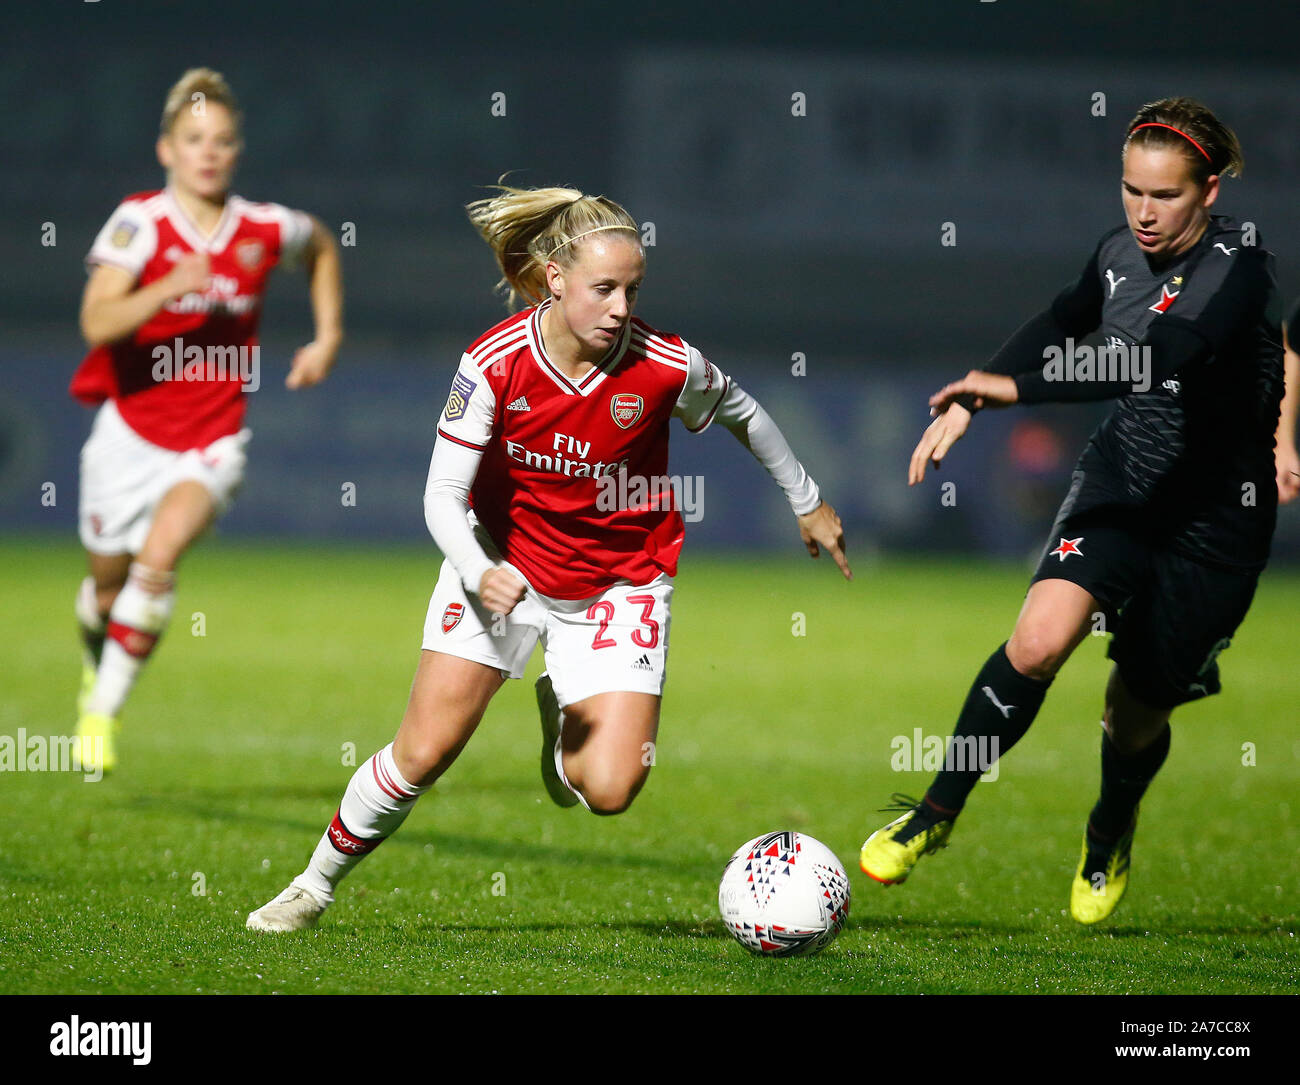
(160,390)
(548,488)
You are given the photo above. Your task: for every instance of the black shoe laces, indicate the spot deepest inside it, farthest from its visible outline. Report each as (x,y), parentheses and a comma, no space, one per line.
(922,823)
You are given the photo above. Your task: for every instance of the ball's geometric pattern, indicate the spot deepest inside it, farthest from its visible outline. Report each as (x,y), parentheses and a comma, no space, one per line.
(784,894)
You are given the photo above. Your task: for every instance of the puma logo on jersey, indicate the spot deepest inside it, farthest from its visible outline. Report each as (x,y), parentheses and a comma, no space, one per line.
(1005,709)
(1114,282)
(520,404)
(1226,251)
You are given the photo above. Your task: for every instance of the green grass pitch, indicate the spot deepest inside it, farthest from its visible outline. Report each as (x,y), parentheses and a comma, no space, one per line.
(232,764)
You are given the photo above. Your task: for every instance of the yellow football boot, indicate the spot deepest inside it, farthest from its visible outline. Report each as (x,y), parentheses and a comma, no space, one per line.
(95,736)
(890,852)
(1101,878)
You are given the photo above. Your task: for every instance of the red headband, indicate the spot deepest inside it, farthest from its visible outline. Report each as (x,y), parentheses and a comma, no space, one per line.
(1157,124)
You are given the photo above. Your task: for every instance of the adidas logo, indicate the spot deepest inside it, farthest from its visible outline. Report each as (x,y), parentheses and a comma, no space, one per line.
(520,404)
(642,664)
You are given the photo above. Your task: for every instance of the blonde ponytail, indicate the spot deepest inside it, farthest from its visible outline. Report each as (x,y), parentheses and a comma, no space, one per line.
(527,227)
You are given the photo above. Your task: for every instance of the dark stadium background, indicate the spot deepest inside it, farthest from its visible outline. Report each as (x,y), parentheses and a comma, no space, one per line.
(776,235)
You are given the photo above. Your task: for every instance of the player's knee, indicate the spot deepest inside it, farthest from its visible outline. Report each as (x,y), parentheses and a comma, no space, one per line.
(162,553)
(1038,652)
(1132,724)
(421,763)
(609,793)
(607,803)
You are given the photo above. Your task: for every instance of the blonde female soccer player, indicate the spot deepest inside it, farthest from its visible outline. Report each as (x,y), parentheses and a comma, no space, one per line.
(170,313)
(542,495)
(1170,513)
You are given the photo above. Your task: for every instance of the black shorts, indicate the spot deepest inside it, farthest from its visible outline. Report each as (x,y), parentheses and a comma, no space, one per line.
(1169,616)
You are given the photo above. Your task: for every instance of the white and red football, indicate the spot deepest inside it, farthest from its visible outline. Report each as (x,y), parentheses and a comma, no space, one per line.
(784,895)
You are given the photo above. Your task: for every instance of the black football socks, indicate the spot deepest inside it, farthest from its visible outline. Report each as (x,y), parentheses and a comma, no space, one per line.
(999,708)
(1124,780)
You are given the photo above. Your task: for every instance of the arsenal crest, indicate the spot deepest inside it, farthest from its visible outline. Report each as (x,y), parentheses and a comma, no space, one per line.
(452,615)
(626,409)
(250,252)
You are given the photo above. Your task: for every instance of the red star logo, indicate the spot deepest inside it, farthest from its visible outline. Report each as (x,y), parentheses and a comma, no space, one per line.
(1067,547)
(1166,299)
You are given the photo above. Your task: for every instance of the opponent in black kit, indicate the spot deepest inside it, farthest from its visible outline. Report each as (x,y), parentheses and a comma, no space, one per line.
(1172,505)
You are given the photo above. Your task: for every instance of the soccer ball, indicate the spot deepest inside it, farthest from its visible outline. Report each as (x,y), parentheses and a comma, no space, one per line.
(784,895)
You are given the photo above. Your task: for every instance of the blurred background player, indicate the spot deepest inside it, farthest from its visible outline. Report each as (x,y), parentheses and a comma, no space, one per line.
(1170,515)
(1288,458)
(170,313)
(543,495)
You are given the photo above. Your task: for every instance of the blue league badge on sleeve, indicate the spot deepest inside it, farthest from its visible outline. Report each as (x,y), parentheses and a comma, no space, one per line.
(461,389)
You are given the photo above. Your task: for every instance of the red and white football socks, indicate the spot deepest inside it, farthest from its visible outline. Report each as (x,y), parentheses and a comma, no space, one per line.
(375,803)
(137,619)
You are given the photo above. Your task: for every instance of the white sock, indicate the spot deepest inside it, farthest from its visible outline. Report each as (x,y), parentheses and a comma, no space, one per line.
(375,803)
(138,617)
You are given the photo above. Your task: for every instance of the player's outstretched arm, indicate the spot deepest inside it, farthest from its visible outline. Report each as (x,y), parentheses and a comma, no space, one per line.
(312,363)
(708,396)
(819,526)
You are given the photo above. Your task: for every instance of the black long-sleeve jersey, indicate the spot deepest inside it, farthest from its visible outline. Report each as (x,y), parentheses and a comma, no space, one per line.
(1188,459)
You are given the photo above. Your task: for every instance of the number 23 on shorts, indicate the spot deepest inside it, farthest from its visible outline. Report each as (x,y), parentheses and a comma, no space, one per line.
(645,635)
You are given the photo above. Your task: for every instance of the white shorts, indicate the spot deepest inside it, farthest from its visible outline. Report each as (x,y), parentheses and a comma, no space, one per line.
(123,477)
(614,641)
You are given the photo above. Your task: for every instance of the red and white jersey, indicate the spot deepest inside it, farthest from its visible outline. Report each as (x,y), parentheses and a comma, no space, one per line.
(147,234)
(548,441)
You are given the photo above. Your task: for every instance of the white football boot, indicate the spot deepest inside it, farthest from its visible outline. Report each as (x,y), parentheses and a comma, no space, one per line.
(293,910)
